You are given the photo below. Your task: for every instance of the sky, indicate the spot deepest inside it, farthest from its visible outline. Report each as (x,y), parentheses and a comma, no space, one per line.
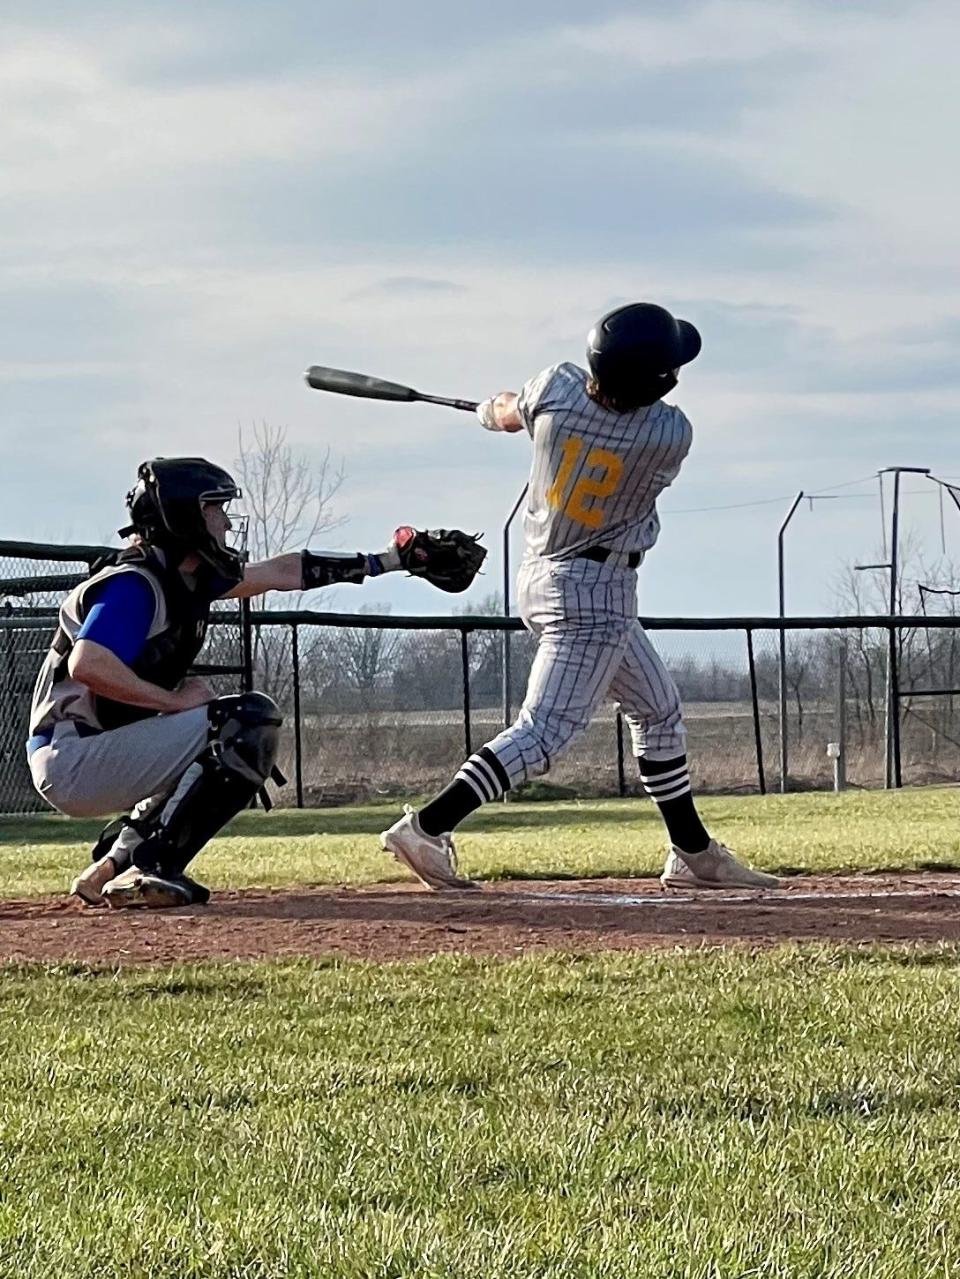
(199,200)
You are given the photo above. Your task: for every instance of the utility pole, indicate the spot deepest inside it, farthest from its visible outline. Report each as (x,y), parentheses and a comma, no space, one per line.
(892,772)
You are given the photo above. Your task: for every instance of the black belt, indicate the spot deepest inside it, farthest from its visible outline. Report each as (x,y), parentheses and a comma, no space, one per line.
(602,553)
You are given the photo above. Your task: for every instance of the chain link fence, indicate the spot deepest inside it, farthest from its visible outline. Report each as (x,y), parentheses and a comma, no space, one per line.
(390,706)
(387,707)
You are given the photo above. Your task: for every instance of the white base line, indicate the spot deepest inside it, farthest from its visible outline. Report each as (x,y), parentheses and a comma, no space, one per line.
(711,897)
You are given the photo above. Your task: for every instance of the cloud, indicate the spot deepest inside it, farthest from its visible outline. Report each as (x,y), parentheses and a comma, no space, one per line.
(196,208)
(781,348)
(337,156)
(406,286)
(719,31)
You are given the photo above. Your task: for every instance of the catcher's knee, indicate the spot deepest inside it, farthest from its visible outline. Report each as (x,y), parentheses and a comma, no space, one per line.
(245,734)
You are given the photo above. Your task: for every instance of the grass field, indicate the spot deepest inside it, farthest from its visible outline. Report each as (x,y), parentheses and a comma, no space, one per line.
(900,830)
(716,1113)
(793,1114)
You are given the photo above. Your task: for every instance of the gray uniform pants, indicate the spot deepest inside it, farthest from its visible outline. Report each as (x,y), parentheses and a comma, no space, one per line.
(112,772)
(590,646)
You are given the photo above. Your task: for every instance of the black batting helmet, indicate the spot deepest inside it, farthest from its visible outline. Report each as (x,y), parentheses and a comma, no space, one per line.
(166,510)
(634,352)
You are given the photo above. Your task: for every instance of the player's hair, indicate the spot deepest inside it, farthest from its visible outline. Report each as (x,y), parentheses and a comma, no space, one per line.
(616,403)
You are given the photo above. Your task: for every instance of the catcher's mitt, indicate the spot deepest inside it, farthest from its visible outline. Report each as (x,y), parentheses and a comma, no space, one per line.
(446,557)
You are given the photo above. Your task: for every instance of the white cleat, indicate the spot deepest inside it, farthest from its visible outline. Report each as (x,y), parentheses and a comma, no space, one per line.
(90,883)
(432,858)
(715,867)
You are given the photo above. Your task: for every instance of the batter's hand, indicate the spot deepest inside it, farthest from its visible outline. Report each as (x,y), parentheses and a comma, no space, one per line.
(487,415)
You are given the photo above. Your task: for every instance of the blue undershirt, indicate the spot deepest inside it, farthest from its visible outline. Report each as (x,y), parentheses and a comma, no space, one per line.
(121,615)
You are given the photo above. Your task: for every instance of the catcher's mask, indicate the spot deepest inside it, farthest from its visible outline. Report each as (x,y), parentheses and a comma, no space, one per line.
(636,352)
(167,509)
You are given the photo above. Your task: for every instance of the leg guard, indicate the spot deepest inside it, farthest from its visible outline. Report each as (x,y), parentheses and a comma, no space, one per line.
(108,837)
(121,835)
(239,758)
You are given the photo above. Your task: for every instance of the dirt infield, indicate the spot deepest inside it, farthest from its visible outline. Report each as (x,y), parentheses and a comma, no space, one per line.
(400,921)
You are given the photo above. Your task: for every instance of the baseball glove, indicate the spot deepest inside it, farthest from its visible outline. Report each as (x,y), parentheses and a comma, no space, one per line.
(446,557)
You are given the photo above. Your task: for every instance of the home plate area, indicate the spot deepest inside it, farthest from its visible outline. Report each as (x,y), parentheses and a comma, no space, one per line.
(399,921)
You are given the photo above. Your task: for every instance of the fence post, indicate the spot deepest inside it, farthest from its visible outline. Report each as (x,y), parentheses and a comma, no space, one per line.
(297,737)
(246,647)
(894,772)
(840,763)
(465,669)
(754,697)
(621,775)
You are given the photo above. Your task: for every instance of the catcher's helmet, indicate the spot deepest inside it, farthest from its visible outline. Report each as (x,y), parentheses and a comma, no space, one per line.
(634,352)
(166,510)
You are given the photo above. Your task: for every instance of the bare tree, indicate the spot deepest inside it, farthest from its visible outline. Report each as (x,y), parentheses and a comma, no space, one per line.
(289,498)
(289,501)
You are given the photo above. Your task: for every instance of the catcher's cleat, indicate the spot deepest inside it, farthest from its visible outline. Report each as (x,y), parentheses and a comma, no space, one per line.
(432,858)
(715,867)
(201,894)
(89,885)
(136,889)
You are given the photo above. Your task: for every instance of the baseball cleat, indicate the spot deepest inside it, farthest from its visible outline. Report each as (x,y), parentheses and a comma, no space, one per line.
(432,858)
(138,889)
(715,867)
(89,885)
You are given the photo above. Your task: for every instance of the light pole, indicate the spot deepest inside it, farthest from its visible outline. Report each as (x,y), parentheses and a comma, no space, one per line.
(892,774)
(782,663)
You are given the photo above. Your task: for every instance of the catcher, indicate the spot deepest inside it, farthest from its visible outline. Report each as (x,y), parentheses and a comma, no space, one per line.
(118,725)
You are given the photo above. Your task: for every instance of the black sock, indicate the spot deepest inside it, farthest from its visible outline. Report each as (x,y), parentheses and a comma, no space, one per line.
(481,778)
(667,782)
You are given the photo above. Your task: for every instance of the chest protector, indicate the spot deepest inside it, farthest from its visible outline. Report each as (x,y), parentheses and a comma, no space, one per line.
(167,656)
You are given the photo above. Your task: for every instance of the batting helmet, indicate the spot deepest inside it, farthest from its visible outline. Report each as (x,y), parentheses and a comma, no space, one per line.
(634,352)
(166,510)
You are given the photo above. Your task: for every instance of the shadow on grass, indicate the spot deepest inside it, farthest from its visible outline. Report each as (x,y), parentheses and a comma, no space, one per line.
(496,817)
(49,829)
(948,957)
(308,822)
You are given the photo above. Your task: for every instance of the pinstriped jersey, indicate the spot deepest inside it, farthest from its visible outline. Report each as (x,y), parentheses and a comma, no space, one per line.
(596,475)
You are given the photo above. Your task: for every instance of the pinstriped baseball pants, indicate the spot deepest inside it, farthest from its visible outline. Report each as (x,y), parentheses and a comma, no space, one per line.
(590,646)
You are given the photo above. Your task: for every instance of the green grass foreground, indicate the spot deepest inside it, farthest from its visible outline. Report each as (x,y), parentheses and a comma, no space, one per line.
(705,1114)
(875,830)
(791,1113)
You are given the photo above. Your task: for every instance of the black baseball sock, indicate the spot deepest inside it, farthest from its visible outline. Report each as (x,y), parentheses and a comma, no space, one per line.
(481,778)
(667,782)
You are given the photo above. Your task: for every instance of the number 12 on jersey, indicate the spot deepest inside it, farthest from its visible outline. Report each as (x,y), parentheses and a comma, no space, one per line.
(576,504)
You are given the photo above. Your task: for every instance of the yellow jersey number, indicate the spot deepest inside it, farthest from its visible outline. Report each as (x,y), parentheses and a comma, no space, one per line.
(577,504)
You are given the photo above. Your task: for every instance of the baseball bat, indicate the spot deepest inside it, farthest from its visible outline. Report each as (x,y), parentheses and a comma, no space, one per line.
(341,382)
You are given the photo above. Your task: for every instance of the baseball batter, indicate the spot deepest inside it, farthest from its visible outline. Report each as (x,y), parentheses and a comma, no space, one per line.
(605,446)
(118,725)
